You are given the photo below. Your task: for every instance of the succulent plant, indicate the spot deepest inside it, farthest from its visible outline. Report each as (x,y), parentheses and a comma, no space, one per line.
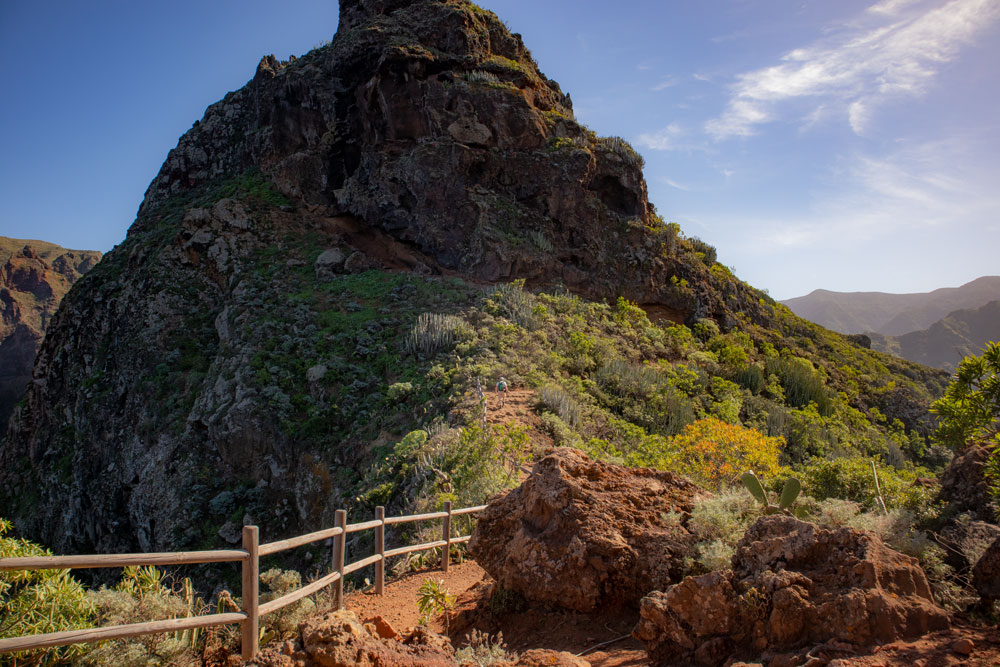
(789,493)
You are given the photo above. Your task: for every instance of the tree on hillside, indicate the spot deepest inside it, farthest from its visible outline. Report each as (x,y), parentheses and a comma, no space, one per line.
(970,407)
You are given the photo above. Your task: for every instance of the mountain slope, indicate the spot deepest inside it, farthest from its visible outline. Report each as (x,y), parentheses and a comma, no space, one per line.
(320,271)
(34,277)
(947,341)
(891,314)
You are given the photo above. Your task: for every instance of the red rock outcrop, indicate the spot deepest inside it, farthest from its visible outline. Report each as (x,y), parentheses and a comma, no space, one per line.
(34,276)
(792,584)
(339,639)
(580,533)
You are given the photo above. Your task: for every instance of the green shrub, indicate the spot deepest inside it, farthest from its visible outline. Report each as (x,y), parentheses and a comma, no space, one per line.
(801,382)
(142,596)
(751,378)
(970,408)
(514,303)
(484,78)
(36,602)
(485,651)
(707,252)
(433,599)
(562,404)
(852,479)
(622,149)
(284,623)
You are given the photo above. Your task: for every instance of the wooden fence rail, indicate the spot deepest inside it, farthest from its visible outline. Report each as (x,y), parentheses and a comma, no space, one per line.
(249,558)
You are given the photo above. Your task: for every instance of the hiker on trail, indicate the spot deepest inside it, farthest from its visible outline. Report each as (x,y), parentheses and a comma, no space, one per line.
(502,390)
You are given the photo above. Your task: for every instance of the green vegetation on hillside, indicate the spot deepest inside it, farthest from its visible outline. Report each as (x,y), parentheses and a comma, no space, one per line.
(607,379)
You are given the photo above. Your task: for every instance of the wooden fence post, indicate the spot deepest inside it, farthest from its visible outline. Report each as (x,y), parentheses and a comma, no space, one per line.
(339,551)
(250,632)
(380,550)
(446,536)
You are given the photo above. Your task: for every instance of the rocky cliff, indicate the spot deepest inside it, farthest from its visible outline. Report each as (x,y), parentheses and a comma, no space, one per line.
(270,324)
(34,277)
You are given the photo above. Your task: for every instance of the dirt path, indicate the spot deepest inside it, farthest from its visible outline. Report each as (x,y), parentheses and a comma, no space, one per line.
(519,409)
(398,605)
(531,628)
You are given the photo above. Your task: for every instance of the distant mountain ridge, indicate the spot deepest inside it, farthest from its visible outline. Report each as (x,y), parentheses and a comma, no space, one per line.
(947,341)
(891,314)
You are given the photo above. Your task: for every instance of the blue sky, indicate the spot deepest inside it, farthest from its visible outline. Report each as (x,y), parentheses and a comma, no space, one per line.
(842,145)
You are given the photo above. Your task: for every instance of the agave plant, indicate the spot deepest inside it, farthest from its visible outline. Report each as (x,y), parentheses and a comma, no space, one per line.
(789,493)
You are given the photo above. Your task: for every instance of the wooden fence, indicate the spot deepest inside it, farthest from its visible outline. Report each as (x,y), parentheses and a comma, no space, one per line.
(249,558)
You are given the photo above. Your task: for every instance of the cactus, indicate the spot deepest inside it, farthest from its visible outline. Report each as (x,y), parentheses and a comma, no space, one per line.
(789,493)
(433,332)
(192,636)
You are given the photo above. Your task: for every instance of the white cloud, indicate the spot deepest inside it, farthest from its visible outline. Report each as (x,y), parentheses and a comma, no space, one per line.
(674,184)
(663,140)
(934,184)
(663,85)
(858,116)
(889,7)
(860,67)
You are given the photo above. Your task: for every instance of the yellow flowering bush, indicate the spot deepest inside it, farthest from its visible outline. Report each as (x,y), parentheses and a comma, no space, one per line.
(713,453)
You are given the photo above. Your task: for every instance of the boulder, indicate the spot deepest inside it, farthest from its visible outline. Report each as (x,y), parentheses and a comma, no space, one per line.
(964,487)
(583,534)
(792,584)
(329,263)
(339,639)
(986,574)
(966,540)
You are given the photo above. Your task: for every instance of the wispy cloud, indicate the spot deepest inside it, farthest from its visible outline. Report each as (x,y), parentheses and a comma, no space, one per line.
(668,82)
(934,184)
(666,139)
(893,51)
(889,7)
(674,184)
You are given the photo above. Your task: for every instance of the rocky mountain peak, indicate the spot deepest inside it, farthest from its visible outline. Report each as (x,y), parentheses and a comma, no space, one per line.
(236,357)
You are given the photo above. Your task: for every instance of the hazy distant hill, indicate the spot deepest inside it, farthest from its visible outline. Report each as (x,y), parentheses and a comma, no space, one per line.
(891,314)
(944,343)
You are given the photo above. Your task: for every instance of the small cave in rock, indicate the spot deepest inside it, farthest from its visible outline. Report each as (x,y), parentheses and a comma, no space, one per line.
(342,161)
(616,196)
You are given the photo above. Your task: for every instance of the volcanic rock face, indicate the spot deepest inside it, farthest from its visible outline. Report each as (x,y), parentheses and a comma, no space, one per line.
(170,394)
(581,534)
(429,120)
(792,584)
(34,277)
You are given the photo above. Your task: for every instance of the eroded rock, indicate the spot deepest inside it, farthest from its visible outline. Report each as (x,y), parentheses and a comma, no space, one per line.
(580,533)
(792,584)
(339,639)
(543,657)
